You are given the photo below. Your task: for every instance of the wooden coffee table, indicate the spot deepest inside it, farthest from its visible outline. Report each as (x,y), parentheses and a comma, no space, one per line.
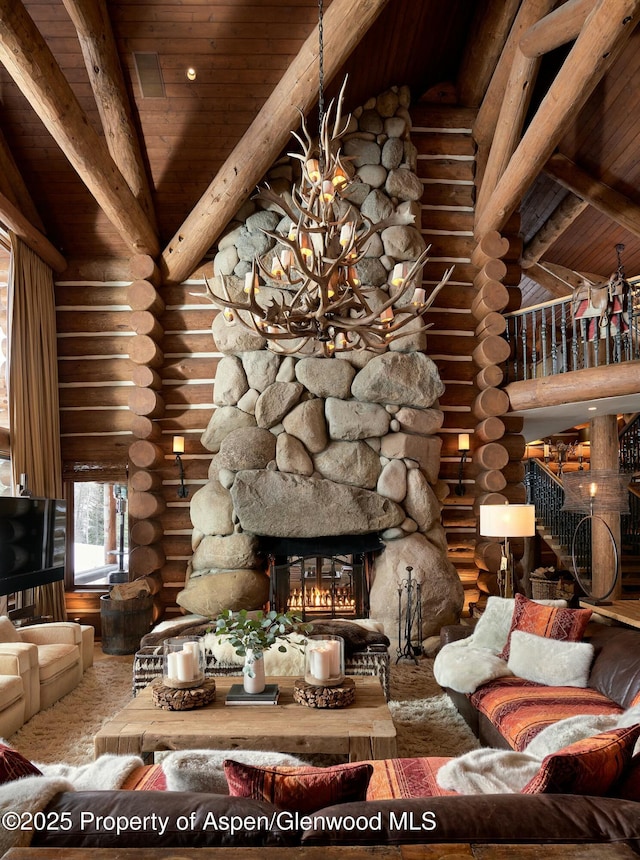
(361,731)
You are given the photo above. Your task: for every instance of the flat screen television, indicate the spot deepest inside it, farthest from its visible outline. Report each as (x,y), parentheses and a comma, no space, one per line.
(32,542)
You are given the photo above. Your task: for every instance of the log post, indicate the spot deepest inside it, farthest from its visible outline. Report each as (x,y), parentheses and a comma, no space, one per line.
(498,446)
(605,455)
(146,502)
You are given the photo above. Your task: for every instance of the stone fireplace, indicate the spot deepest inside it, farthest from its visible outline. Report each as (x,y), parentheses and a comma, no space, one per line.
(308,448)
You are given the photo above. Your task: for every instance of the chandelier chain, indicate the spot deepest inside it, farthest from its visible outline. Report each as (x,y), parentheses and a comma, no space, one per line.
(320,64)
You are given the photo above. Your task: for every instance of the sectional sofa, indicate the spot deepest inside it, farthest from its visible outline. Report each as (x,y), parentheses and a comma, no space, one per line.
(402,802)
(508,712)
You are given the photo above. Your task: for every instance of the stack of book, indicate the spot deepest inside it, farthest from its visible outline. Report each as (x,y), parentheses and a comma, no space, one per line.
(237,695)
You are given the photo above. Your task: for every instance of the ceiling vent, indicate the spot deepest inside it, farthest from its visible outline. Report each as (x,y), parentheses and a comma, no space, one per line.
(149,75)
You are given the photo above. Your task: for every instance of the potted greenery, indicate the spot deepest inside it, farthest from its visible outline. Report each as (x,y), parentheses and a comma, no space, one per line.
(251,633)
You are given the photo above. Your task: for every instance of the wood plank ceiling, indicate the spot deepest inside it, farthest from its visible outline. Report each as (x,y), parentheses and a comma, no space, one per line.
(240,50)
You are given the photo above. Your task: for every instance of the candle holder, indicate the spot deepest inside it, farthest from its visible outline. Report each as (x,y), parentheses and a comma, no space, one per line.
(324,661)
(183,662)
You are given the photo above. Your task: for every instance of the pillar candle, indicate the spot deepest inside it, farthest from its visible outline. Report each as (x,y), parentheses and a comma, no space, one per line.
(321,663)
(185,665)
(193,648)
(172,664)
(334,654)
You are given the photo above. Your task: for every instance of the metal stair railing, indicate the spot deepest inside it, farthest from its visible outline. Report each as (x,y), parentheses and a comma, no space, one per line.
(545,492)
(629,439)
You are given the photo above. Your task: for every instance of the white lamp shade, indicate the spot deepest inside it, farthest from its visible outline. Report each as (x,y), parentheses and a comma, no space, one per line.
(504,521)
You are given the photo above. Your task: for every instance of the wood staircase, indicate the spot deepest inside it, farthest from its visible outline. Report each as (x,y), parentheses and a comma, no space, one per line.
(629,552)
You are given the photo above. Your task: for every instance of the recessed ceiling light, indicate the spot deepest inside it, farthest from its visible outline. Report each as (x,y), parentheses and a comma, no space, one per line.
(191,74)
(592,408)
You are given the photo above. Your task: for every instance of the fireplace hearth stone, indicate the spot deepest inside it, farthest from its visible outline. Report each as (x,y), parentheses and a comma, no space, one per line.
(441,589)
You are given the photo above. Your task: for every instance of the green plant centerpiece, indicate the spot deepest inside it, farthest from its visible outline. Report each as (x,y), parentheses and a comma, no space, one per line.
(251,633)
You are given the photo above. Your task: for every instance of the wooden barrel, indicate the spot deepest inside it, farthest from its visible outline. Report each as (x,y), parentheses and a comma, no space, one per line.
(124,623)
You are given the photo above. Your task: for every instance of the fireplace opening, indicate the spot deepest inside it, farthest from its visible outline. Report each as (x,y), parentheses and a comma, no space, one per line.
(321,577)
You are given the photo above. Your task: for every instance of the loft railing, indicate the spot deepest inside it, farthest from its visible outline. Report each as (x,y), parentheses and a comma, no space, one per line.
(547,339)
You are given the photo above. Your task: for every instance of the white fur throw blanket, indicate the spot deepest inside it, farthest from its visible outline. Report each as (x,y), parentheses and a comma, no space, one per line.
(489,771)
(202,770)
(463,668)
(31,794)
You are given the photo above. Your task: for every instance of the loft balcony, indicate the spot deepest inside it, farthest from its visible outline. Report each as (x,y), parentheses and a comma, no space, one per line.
(562,366)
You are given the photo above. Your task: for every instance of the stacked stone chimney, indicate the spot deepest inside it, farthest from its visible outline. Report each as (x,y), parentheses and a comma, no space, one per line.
(308,446)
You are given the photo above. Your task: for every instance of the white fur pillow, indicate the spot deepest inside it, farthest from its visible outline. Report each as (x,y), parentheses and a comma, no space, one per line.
(201,770)
(549,661)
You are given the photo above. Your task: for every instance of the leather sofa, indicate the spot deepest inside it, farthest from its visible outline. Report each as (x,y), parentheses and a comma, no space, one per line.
(199,819)
(50,659)
(613,686)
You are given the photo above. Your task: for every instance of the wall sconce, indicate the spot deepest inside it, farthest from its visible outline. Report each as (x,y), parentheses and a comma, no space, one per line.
(178,449)
(463,450)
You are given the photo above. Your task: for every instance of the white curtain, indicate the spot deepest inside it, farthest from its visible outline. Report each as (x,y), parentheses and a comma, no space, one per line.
(33,391)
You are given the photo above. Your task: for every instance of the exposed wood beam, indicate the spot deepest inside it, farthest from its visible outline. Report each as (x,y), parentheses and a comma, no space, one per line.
(487,117)
(15,221)
(602,197)
(563,216)
(27,58)
(100,52)
(557,279)
(488,35)
(548,281)
(557,28)
(513,110)
(267,134)
(13,186)
(575,386)
(597,47)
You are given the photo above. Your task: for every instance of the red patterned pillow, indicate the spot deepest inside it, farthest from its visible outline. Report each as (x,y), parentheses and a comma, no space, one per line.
(590,766)
(13,765)
(299,789)
(552,622)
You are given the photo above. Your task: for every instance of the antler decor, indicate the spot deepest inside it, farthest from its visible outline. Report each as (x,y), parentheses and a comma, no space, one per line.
(313,291)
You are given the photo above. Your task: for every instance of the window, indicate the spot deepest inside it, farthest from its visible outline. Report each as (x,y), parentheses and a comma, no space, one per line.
(98,539)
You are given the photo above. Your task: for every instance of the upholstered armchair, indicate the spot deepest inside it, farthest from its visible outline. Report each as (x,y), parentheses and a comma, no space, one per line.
(54,657)
(12,698)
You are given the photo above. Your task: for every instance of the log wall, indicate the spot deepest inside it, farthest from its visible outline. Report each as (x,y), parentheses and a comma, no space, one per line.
(446,165)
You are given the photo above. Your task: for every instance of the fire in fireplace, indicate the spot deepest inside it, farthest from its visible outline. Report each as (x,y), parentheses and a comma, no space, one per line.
(321,577)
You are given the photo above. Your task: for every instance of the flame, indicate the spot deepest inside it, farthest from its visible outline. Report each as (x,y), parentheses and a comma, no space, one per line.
(321,598)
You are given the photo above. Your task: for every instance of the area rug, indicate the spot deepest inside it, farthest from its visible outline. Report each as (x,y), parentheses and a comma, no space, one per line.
(426,721)
(64,732)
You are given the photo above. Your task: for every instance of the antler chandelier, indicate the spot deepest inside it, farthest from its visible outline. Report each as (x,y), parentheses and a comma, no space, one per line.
(313,290)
